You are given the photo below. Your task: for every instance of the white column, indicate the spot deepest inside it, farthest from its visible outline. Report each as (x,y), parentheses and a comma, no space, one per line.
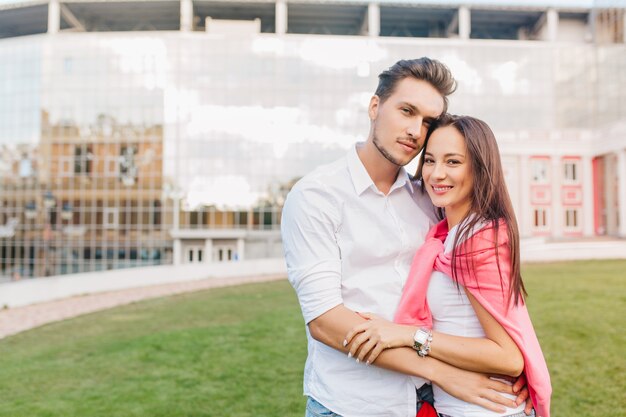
(373,19)
(610,177)
(621,194)
(178,252)
(54,16)
(465,22)
(208,251)
(552,24)
(586,175)
(281,17)
(556,221)
(525,210)
(240,249)
(186,15)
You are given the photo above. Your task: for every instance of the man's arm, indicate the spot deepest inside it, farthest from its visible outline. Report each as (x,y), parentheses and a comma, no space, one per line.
(331,327)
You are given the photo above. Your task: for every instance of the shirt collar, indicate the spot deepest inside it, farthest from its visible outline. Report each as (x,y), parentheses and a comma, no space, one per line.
(402,180)
(361,178)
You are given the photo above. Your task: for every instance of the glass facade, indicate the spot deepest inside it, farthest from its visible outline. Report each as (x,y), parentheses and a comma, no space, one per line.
(111,141)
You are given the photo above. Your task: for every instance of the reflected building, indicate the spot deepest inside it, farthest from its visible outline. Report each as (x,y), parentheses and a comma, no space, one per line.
(168,132)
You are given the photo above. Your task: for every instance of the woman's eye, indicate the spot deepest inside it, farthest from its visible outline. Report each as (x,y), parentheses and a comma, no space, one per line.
(406,110)
(429,161)
(454,162)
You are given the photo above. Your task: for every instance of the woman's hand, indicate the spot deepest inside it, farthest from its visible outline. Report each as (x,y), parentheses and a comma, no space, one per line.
(368,339)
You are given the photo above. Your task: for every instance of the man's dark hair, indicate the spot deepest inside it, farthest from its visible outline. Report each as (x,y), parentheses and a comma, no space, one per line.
(430,70)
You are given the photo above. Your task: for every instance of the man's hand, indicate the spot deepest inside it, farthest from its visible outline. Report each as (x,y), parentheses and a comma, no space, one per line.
(520,388)
(474,388)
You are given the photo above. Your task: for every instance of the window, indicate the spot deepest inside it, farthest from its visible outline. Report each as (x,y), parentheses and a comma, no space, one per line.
(25,167)
(128,166)
(111,217)
(570,171)
(571,218)
(156,207)
(82,159)
(540,218)
(539,170)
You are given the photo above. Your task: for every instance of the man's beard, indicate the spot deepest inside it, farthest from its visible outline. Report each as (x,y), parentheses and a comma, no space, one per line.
(389,157)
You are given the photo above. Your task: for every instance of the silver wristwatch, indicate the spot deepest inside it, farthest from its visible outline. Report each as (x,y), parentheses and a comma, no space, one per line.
(421,341)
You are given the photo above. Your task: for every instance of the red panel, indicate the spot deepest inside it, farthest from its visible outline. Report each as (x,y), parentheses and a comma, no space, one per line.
(598,194)
(572,195)
(540,195)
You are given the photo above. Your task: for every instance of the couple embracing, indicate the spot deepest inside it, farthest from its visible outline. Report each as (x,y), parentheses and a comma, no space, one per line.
(410,286)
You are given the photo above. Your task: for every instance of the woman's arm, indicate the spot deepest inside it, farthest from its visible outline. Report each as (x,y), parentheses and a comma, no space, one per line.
(476,388)
(496,353)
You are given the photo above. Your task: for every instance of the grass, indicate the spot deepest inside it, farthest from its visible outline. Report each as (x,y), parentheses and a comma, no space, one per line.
(240,352)
(578,311)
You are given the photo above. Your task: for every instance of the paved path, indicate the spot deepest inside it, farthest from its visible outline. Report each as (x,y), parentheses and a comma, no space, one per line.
(19,319)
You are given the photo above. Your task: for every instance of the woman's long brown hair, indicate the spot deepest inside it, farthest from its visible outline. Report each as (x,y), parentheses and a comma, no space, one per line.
(489,200)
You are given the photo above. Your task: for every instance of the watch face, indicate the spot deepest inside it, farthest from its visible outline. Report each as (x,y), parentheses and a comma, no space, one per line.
(420,337)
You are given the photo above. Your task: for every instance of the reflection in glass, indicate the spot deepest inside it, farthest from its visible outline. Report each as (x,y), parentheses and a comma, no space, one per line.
(139,138)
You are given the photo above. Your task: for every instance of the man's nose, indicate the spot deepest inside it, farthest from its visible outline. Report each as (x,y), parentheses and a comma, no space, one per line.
(415,129)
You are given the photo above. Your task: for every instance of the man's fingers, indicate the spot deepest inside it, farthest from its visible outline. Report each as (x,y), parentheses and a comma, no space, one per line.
(522,396)
(529,407)
(519,383)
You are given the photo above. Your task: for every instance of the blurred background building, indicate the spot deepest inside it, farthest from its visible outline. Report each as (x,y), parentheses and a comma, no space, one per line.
(162,131)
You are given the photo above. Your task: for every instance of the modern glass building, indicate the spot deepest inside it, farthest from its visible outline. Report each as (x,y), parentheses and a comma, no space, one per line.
(158,132)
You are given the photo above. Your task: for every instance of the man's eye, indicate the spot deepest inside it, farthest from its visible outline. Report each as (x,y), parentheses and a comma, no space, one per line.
(406,110)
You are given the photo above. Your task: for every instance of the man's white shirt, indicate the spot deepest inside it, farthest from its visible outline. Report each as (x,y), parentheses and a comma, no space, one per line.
(346,242)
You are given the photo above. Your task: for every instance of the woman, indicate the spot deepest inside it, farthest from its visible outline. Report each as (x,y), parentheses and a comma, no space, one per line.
(463,302)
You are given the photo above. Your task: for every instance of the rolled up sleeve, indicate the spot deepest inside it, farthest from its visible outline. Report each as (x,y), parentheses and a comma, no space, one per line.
(309,225)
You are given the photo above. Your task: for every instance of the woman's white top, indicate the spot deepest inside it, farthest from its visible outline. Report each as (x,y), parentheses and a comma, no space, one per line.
(453,314)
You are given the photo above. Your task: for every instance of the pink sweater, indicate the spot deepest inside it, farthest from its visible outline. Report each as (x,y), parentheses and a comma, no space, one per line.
(490,291)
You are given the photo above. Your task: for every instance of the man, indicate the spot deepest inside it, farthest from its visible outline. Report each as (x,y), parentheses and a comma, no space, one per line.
(350,230)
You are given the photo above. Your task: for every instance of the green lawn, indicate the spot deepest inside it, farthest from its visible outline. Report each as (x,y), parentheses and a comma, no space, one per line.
(240,351)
